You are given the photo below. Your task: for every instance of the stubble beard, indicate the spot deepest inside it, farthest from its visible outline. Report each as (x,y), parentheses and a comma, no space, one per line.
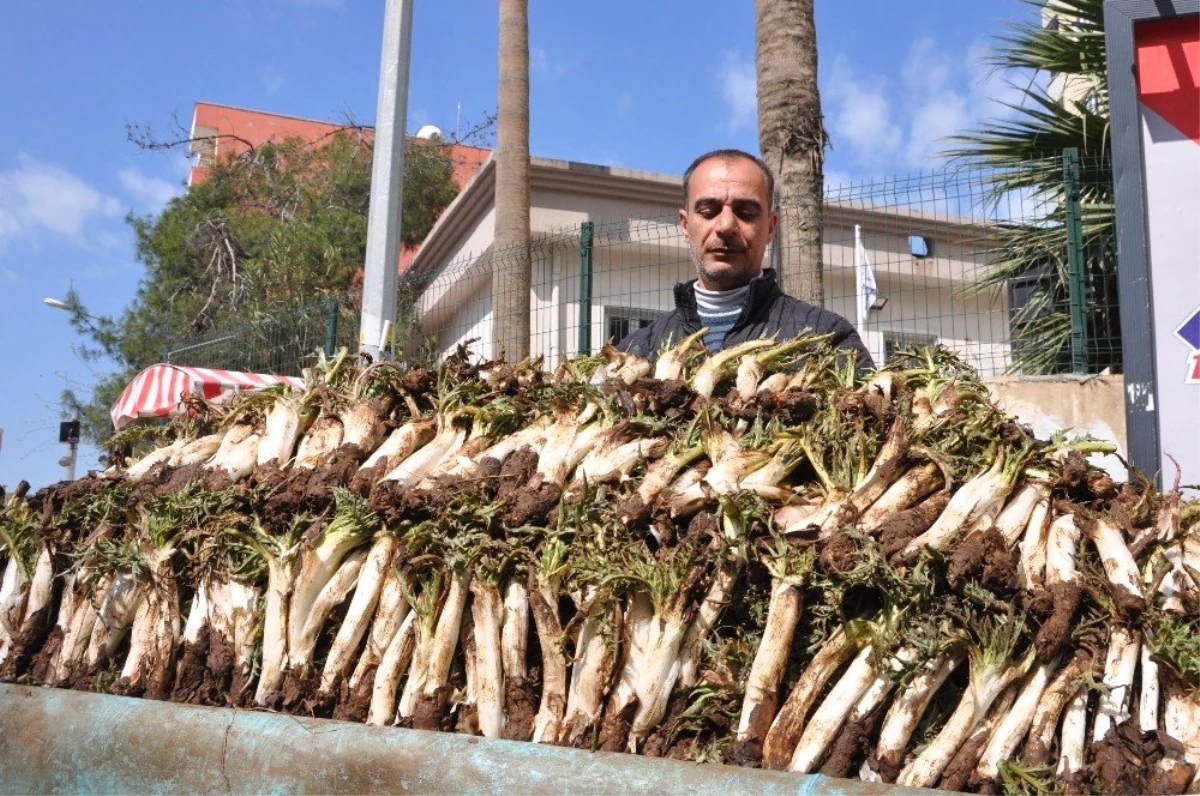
(716,280)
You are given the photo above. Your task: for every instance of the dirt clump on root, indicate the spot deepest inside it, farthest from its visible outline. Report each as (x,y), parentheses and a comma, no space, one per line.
(987,555)
(180,478)
(189,672)
(354,704)
(1056,630)
(664,398)
(218,671)
(614,730)
(531,504)
(790,407)
(337,470)
(960,768)
(39,665)
(897,531)
(747,753)
(433,712)
(299,690)
(31,639)
(839,554)
(517,470)
(852,743)
(1125,761)
(520,709)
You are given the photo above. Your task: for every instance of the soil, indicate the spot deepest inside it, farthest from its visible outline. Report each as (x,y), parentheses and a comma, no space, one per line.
(218,671)
(663,398)
(790,407)
(34,637)
(337,470)
(433,712)
(1122,761)
(898,530)
(531,505)
(516,471)
(189,673)
(960,768)
(614,731)
(987,555)
(285,501)
(839,554)
(852,743)
(1169,780)
(520,709)
(1073,473)
(180,478)
(1056,630)
(39,665)
(362,480)
(633,512)
(299,690)
(746,753)
(355,704)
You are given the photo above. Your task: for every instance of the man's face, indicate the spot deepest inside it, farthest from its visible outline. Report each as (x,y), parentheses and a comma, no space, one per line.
(728,221)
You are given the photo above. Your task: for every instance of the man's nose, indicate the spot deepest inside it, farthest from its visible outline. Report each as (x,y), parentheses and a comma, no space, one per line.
(726,222)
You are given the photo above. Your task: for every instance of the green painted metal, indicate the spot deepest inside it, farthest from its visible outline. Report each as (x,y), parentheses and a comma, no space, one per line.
(587,234)
(1075,261)
(331,326)
(59,741)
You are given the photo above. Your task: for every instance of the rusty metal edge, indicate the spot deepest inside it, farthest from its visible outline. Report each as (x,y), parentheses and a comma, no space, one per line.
(58,741)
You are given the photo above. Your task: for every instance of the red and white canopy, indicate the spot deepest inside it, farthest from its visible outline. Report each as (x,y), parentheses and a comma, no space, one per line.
(158,390)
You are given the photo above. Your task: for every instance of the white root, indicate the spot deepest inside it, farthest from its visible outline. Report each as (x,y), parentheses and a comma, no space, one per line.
(1120,664)
(1149,695)
(1072,742)
(389,614)
(1014,517)
(514,635)
(770,662)
(391,666)
(487,610)
(1031,568)
(590,675)
(1119,566)
(916,484)
(909,706)
(786,729)
(331,596)
(275,629)
(1016,722)
(829,716)
(358,616)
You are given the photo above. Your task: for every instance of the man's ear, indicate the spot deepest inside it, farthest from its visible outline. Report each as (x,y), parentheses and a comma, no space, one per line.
(683,221)
(771,226)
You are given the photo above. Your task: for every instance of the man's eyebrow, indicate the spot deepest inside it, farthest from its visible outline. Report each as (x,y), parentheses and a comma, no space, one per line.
(703,201)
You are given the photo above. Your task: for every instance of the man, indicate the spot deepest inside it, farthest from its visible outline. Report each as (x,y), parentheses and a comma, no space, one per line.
(728,220)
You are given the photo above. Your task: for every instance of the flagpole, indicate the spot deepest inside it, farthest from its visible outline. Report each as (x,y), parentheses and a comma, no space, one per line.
(860,314)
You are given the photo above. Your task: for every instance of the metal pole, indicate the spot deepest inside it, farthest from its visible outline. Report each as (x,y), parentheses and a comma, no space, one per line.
(586,236)
(387,181)
(333,308)
(1075,261)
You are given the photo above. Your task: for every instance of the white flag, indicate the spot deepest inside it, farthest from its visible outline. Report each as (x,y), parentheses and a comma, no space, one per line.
(864,279)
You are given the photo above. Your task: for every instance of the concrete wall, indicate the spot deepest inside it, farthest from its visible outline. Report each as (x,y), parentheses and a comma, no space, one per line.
(1093,405)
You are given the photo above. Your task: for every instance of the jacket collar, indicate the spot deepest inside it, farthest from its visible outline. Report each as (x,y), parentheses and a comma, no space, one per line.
(763,290)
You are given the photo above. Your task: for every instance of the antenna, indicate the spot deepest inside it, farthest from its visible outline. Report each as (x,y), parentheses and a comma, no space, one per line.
(457,119)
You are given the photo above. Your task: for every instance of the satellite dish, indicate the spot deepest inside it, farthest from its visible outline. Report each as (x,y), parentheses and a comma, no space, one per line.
(430,131)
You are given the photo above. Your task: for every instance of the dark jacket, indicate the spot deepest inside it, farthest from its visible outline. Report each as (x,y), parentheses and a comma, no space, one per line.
(767,312)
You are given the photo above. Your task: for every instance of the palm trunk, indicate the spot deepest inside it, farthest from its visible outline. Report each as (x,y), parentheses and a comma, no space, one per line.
(510,257)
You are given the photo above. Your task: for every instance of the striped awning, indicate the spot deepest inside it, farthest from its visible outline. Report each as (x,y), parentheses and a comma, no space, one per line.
(159,390)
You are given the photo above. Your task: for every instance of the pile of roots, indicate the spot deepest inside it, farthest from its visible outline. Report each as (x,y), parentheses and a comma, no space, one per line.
(755,558)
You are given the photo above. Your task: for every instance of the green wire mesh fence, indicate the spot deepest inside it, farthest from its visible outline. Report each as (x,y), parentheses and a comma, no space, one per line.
(1013,269)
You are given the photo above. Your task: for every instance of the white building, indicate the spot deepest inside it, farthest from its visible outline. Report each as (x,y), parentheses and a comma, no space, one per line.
(638,254)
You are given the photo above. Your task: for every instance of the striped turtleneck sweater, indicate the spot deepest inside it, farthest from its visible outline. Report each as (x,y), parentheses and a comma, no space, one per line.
(719,311)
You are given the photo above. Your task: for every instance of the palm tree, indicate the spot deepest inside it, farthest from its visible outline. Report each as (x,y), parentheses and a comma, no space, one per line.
(1064,106)
(510,252)
(792,138)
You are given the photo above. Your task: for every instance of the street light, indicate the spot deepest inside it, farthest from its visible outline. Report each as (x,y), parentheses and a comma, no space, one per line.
(68,432)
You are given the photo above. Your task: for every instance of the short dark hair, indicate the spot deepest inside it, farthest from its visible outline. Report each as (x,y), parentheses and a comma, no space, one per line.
(730,154)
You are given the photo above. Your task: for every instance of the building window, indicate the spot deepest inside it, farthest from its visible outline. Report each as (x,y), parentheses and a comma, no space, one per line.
(895,342)
(619,322)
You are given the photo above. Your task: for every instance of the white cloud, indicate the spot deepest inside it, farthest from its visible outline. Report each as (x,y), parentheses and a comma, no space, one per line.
(150,193)
(38,197)
(739,89)
(9,276)
(271,79)
(539,62)
(860,114)
(903,121)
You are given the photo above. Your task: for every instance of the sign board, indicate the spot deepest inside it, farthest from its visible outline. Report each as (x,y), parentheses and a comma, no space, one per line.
(1154,97)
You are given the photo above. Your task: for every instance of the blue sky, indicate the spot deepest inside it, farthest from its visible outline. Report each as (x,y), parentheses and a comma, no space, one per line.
(645,85)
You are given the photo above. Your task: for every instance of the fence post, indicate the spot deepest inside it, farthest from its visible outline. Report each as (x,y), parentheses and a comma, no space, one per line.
(1075,261)
(586,233)
(333,309)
